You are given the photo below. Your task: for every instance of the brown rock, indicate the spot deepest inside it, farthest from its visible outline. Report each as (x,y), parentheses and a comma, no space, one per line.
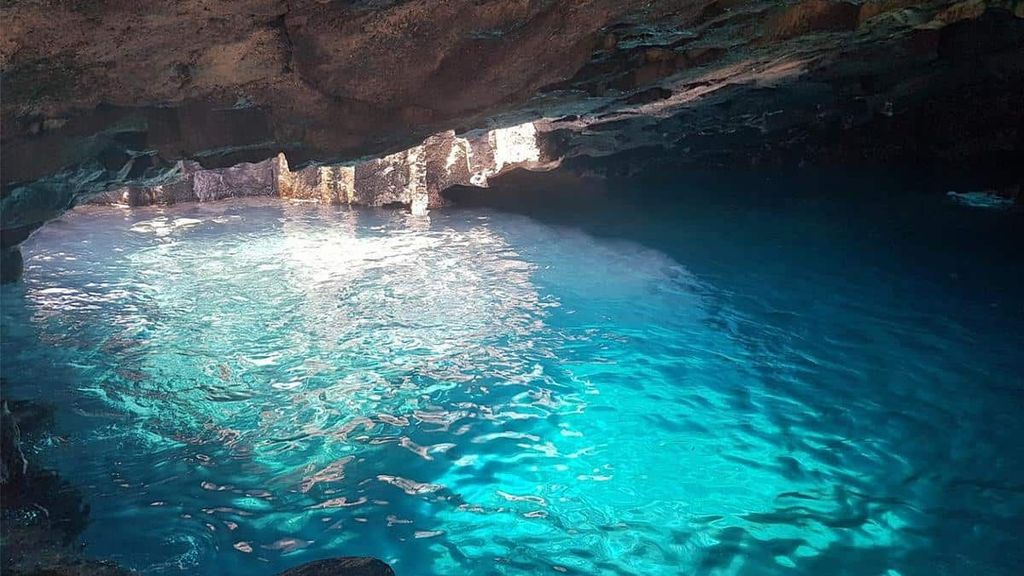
(610,42)
(873,8)
(960,11)
(113,97)
(812,16)
(659,55)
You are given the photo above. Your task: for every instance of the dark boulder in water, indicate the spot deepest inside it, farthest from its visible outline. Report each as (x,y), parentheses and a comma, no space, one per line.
(346,566)
(76,568)
(42,513)
(12,460)
(11,264)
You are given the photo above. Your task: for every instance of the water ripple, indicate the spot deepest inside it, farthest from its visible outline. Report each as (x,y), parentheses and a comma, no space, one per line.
(247,385)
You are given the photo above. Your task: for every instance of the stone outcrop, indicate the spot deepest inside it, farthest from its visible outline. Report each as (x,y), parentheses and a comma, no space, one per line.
(13,465)
(911,83)
(114,97)
(191,183)
(11,264)
(413,178)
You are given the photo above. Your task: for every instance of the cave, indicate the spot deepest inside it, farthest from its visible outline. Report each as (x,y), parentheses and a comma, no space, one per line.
(511,287)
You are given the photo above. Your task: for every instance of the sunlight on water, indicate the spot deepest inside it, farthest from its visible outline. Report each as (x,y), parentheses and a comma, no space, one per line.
(245,386)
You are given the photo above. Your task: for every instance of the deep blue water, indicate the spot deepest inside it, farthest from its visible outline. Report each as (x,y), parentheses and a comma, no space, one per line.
(689,379)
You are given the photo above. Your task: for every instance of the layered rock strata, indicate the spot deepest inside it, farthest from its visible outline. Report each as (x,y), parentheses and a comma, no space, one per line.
(412,178)
(100,96)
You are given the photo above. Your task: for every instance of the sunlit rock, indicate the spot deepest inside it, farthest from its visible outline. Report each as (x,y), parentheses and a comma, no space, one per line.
(325,184)
(384,181)
(500,149)
(417,186)
(415,177)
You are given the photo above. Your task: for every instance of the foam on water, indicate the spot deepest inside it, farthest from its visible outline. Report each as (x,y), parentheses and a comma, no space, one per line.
(244,386)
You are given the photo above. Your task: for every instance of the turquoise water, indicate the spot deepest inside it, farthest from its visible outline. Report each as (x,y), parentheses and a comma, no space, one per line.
(715,384)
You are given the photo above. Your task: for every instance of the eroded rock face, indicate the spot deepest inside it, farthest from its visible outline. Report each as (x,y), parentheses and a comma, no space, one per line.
(413,178)
(839,82)
(13,464)
(99,96)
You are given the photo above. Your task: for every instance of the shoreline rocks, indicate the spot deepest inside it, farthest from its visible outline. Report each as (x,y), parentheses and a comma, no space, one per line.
(11,264)
(617,86)
(413,178)
(42,514)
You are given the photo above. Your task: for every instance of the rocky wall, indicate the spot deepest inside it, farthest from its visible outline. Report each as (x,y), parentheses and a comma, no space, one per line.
(413,178)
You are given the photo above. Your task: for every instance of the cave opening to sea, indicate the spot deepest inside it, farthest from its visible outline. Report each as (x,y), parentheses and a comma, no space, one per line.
(717,374)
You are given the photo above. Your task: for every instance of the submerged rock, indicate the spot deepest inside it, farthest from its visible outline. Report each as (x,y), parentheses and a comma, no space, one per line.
(11,264)
(985,199)
(75,567)
(13,464)
(42,514)
(347,566)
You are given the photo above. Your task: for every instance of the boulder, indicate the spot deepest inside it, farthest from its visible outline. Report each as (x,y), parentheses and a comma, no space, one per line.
(13,465)
(11,264)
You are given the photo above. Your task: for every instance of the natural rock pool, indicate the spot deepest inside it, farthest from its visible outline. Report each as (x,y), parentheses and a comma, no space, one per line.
(724,385)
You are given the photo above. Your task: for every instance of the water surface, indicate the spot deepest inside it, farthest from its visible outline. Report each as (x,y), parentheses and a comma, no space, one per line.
(748,384)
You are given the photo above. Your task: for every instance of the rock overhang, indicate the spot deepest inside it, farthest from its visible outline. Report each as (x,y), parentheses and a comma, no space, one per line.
(113,98)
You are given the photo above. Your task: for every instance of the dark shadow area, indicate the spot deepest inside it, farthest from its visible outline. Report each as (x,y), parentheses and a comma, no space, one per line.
(43,514)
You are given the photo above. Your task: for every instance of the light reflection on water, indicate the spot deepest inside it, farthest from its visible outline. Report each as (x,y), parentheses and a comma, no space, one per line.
(246,386)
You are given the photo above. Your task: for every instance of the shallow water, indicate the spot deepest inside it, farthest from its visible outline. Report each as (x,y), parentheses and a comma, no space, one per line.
(712,385)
